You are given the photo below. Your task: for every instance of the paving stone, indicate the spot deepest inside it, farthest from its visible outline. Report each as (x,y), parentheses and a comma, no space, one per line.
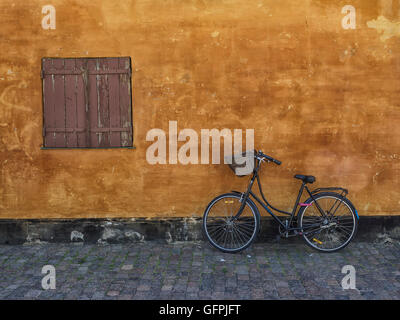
(97,295)
(127,267)
(113,293)
(33,293)
(143,287)
(195,271)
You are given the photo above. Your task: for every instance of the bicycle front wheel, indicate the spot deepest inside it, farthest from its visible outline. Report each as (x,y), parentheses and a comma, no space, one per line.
(333,231)
(224,233)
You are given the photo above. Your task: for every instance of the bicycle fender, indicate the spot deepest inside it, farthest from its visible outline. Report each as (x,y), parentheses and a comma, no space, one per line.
(309,200)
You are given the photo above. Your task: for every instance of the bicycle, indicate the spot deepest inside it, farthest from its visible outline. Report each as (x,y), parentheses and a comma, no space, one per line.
(231,221)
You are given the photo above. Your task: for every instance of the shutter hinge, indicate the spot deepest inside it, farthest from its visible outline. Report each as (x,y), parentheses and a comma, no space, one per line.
(41,74)
(44,132)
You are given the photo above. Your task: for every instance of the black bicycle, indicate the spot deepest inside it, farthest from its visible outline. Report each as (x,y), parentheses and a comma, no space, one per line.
(327,220)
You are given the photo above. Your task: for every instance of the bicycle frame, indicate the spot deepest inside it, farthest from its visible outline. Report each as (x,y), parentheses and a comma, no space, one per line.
(268,207)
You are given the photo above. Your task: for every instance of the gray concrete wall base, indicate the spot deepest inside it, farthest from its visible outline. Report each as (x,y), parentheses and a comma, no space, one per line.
(108,231)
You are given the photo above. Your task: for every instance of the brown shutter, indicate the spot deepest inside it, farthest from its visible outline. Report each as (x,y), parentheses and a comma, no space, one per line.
(87,102)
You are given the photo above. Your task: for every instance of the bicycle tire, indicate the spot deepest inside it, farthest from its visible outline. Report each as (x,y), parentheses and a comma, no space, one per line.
(248,236)
(316,243)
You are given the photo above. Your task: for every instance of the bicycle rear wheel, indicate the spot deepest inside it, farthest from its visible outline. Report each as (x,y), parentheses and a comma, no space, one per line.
(333,232)
(225,234)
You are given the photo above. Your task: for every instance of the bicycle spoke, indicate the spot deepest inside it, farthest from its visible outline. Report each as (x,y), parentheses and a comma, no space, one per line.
(226,236)
(312,232)
(345,230)
(215,225)
(219,236)
(244,231)
(247,227)
(235,240)
(215,231)
(311,225)
(240,239)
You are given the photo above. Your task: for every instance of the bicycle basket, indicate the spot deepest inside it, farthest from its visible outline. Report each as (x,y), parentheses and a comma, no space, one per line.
(238,164)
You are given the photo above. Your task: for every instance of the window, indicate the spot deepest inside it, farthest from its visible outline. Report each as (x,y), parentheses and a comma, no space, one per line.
(87,102)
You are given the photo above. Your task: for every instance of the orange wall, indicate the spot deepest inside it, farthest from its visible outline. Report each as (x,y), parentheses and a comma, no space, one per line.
(322,99)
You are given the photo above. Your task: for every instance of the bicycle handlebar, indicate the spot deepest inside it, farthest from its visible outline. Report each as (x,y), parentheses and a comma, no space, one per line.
(261,154)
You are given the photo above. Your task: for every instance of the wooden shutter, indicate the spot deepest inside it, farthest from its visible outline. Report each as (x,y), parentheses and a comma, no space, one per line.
(87,102)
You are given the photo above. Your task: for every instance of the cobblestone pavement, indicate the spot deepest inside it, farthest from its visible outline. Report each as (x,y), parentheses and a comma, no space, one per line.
(196,271)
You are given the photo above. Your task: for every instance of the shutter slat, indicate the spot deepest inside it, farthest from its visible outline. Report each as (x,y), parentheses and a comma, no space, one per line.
(70,103)
(114,107)
(80,72)
(84,129)
(125,102)
(104,112)
(48,104)
(59,102)
(93,102)
(82,101)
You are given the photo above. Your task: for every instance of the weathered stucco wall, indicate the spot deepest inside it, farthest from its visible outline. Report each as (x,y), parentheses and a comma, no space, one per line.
(322,99)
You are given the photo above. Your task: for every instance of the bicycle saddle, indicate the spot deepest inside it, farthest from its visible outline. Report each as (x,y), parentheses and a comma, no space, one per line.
(306,179)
